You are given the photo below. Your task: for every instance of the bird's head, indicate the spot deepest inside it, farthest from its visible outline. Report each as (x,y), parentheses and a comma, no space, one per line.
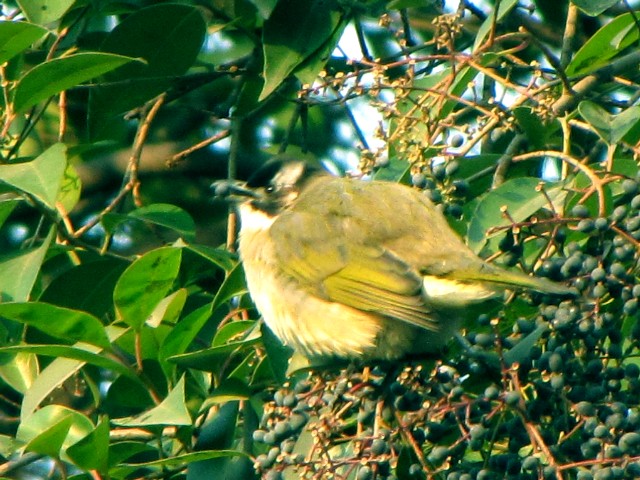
(272,188)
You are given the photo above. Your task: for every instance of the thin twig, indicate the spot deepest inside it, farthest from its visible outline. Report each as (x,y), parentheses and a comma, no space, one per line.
(180,156)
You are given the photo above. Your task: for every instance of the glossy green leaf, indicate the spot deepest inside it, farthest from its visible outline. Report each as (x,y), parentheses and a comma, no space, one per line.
(144,284)
(234,285)
(70,189)
(222,258)
(40,177)
(169,308)
(519,195)
(20,270)
(50,436)
(92,452)
(185,331)
(611,128)
(52,429)
(81,353)
(164,215)
(88,287)
(231,331)
(208,359)
(188,458)
(522,350)
(63,323)
(19,371)
(16,37)
(293,32)
(44,11)
(172,411)
(605,44)
(308,70)
(168,37)
(54,76)
(6,207)
(594,8)
(61,369)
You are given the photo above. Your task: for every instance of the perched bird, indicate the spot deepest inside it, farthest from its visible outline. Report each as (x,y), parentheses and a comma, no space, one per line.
(341,267)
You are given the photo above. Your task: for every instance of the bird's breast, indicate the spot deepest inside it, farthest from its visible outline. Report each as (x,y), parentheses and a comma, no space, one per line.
(300,319)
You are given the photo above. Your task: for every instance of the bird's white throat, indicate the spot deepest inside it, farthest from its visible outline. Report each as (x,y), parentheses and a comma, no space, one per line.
(252,219)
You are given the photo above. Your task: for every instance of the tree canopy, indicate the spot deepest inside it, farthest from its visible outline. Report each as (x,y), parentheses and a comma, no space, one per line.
(129,347)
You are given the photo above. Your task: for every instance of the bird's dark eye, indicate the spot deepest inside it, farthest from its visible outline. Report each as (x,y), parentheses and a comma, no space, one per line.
(270,189)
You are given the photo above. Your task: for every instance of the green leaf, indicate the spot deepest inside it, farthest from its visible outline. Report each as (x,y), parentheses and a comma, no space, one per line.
(20,270)
(19,371)
(52,429)
(234,285)
(144,284)
(41,177)
(168,36)
(164,215)
(532,126)
(172,411)
(124,469)
(606,43)
(70,189)
(54,76)
(293,32)
(611,128)
(6,207)
(521,198)
(16,37)
(181,336)
(208,359)
(63,323)
(169,309)
(88,287)
(61,369)
(44,11)
(593,8)
(92,452)
(222,258)
(522,350)
(82,353)
(231,331)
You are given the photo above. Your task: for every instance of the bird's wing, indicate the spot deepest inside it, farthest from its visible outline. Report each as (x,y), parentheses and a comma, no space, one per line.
(331,253)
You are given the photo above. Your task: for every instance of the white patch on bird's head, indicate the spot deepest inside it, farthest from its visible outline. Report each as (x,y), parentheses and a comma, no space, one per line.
(290,174)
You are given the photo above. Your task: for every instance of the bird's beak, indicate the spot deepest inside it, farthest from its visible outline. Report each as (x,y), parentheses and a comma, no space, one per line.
(231,191)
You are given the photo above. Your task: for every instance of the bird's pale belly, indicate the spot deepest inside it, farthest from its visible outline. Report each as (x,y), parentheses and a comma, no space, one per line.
(318,327)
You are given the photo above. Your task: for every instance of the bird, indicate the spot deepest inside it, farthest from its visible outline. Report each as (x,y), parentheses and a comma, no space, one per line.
(346,268)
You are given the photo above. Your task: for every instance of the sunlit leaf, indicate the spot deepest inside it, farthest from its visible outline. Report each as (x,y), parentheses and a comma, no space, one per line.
(520,197)
(611,128)
(54,76)
(52,429)
(15,37)
(63,323)
(20,270)
(605,44)
(41,177)
(19,371)
(293,32)
(145,283)
(594,7)
(92,452)
(172,411)
(44,11)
